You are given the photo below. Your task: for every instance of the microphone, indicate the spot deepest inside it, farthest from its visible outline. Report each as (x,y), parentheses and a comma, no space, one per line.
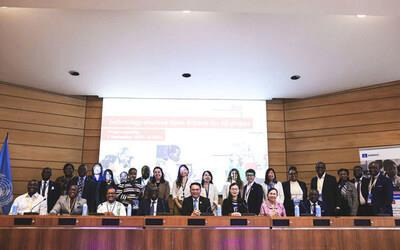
(32,213)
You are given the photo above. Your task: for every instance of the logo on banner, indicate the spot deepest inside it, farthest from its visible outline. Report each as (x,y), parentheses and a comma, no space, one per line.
(5,190)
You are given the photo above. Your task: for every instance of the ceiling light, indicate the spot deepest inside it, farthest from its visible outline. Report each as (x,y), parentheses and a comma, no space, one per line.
(4,7)
(295,77)
(186,75)
(361,16)
(186,11)
(74,73)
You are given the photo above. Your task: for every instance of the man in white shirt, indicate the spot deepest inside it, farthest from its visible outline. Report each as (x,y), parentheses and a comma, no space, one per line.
(111,206)
(30,202)
(361,184)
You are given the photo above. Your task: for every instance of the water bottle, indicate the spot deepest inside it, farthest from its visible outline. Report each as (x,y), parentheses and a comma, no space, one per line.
(14,209)
(219,210)
(296,210)
(84,210)
(318,210)
(129,210)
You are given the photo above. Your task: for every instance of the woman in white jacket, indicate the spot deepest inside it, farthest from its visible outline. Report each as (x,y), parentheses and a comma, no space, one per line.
(209,190)
(272,182)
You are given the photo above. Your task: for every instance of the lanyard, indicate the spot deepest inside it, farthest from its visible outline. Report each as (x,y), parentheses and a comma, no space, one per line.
(372,184)
(112,209)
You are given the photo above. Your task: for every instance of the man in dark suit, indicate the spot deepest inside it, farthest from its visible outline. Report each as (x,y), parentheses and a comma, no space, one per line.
(144,179)
(196,205)
(326,186)
(153,206)
(380,191)
(293,190)
(86,188)
(253,192)
(49,189)
(361,184)
(308,207)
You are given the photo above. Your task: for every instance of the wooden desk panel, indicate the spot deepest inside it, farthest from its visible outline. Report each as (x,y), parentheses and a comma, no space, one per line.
(207,238)
(132,233)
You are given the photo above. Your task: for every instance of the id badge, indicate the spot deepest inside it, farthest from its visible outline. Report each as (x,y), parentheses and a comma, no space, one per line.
(135,204)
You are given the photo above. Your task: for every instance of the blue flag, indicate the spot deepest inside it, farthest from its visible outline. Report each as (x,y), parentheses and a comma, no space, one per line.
(6,190)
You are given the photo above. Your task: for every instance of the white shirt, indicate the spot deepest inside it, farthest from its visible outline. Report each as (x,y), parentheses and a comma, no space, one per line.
(248,189)
(155,206)
(46,184)
(144,182)
(362,199)
(34,204)
(212,195)
(181,191)
(296,191)
(320,183)
(279,187)
(117,208)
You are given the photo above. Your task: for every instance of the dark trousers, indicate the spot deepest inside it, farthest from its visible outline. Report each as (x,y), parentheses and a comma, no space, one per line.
(364,210)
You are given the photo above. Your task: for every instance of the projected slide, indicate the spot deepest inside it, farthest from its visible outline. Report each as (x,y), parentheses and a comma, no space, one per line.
(214,135)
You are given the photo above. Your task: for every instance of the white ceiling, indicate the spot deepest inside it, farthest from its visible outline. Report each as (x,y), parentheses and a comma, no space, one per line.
(233,50)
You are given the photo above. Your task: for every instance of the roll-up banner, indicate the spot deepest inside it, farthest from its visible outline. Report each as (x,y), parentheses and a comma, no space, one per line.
(389,156)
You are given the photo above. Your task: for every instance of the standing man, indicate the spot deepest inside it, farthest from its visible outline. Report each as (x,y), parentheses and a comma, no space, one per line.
(31,202)
(380,191)
(86,187)
(49,189)
(361,184)
(326,186)
(253,192)
(130,192)
(195,204)
(144,179)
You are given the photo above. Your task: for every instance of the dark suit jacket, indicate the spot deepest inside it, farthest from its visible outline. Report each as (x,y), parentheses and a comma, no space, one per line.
(52,195)
(305,208)
(256,197)
(288,203)
(89,192)
(382,196)
(329,193)
(162,207)
(227,208)
(204,205)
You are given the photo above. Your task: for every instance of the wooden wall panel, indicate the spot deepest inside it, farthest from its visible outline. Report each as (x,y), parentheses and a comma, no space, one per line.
(333,127)
(276,137)
(45,129)
(91,145)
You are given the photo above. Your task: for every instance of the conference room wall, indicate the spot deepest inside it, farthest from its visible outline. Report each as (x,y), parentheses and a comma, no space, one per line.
(45,129)
(332,128)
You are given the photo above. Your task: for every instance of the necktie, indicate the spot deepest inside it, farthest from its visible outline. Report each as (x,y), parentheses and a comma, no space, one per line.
(195,207)
(44,184)
(313,208)
(152,206)
(80,186)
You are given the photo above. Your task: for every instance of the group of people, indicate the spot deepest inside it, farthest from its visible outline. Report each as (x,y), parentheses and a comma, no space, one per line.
(368,194)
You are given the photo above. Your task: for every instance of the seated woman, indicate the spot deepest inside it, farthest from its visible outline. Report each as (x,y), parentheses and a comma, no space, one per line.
(233,177)
(69,204)
(271,206)
(234,205)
